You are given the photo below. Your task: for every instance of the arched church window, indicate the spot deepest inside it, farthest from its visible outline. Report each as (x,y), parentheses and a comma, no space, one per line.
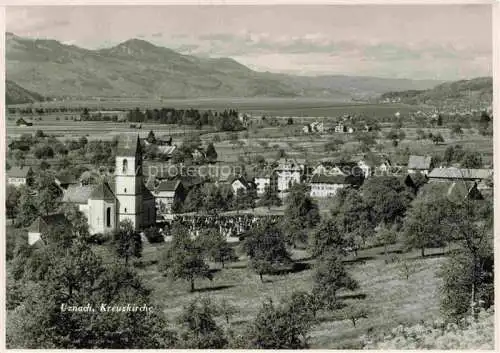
(125,166)
(108,217)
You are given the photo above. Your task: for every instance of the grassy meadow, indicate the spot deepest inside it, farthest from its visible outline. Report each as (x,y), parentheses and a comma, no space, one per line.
(383,288)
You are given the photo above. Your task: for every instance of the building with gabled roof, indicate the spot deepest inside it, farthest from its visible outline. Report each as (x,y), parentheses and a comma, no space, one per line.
(44,224)
(451,174)
(167,192)
(323,185)
(419,164)
(19,176)
(126,197)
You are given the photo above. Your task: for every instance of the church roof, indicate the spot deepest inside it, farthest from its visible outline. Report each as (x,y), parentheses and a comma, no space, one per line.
(102,191)
(129,145)
(78,193)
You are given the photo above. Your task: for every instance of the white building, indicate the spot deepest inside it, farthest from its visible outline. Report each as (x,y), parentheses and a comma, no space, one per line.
(288,173)
(19,176)
(126,198)
(326,185)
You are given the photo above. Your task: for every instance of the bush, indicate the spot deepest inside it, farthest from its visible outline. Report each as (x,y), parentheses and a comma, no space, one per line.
(153,235)
(99,238)
(469,334)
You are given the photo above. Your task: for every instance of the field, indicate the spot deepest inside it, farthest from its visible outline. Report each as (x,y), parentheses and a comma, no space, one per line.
(391,299)
(261,140)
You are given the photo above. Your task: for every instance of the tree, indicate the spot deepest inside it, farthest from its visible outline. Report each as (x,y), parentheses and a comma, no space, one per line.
(425,224)
(301,213)
(269,198)
(266,248)
(440,120)
(217,247)
(437,139)
(70,274)
(420,134)
(211,153)
(11,200)
(183,259)
(39,134)
(278,327)
(354,312)
(386,235)
(127,241)
(390,208)
(200,331)
(27,210)
(459,281)
(331,276)
(329,237)
(471,160)
(355,218)
(226,309)
(456,129)
(151,137)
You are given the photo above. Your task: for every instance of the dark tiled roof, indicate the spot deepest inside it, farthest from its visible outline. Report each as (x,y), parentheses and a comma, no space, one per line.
(16,172)
(337,179)
(102,191)
(66,178)
(43,223)
(129,145)
(169,185)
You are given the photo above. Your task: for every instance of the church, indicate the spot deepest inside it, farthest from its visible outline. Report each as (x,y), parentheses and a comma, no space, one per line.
(107,204)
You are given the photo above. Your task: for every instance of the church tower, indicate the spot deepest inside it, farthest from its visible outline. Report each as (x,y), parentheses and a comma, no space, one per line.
(128,180)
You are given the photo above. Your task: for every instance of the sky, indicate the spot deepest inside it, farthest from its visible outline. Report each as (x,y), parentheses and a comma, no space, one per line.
(445,42)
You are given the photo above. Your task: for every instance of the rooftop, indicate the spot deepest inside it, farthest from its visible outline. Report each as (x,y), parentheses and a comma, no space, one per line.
(419,162)
(460,173)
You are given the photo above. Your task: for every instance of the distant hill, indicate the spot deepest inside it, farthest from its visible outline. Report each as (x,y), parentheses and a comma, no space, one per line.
(137,68)
(15,94)
(477,91)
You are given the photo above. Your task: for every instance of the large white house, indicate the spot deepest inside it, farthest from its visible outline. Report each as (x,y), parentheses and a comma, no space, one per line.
(288,173)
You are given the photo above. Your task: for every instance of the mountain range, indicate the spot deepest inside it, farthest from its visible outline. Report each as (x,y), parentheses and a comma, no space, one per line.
(137,68)
(474,92)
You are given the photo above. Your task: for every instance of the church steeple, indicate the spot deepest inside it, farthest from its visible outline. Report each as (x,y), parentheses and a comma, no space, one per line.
(128,178)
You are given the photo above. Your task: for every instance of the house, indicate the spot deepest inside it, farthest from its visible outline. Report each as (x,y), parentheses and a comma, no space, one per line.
(198,154)
(455,191)
(288,172)
(384,168)
(322,185)
(340,127)
(20,176)
(43,224)
(164,140)
(365,168)
(64,180)
(454,174)
(125,198)
(419,164)
(22,122)
(240,184)
(265,179)
(167,192)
